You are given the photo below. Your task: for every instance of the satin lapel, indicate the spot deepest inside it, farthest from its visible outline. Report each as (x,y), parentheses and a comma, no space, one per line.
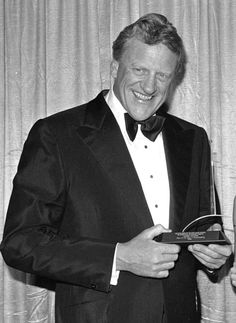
(101,133)
(178,144)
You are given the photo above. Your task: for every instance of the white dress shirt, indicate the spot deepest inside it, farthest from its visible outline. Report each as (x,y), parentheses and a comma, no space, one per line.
(150,163)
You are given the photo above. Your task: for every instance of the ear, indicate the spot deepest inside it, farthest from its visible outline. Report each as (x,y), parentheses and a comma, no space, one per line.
(114,68)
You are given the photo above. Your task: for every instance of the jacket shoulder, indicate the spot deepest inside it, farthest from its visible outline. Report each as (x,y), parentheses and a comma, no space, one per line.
(74,115)
(70,115)
(184,124)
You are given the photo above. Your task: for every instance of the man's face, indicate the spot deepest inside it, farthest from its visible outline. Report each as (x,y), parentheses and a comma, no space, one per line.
(142,77)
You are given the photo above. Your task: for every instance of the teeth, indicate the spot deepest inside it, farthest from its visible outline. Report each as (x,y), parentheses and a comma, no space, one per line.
(142,96)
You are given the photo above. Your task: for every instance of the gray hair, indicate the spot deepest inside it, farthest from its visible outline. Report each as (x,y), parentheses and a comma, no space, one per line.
(152,29)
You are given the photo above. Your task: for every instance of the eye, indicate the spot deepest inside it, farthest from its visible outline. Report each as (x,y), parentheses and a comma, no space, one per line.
(162,76)
(139,71)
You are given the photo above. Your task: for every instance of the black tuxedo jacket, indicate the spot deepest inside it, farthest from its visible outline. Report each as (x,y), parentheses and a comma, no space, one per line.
(76,194)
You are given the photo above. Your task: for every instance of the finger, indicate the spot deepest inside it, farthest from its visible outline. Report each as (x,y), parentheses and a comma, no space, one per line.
(222,251)
(212,250)
(210,257)
(160,259)
(210,260)
(215,227)
(161,274)
(234,282)
(163,270)
(169,248)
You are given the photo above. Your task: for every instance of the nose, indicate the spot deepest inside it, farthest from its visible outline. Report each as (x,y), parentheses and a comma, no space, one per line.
(149,85)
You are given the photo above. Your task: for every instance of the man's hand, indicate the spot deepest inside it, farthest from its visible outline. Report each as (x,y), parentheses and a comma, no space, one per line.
(233,274)
(212,256)
(145,257)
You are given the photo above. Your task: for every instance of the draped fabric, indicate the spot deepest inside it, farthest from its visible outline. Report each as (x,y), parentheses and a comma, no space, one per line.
(55,54)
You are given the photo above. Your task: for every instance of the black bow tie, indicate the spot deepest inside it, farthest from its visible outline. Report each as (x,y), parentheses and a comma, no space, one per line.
(150,127)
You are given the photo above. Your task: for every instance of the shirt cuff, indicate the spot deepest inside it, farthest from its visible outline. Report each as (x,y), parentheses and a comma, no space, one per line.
(115,273)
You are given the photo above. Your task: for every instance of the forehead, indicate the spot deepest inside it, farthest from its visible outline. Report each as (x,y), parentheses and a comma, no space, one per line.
(149,56)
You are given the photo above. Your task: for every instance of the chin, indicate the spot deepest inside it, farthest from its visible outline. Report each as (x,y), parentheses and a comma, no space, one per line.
(140,117)
(147,114)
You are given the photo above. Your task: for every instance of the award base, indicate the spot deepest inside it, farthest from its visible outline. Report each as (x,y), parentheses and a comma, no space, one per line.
(186,238)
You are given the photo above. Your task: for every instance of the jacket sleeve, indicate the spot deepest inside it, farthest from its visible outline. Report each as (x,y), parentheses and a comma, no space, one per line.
(206,196)
(32,240)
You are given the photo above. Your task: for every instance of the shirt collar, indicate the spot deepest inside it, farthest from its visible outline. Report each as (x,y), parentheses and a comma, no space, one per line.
(115,105)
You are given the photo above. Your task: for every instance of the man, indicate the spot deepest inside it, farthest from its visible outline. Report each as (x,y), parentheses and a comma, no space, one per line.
(89,198)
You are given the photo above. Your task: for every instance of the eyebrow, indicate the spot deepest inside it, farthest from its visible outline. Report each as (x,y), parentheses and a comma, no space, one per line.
(133,65)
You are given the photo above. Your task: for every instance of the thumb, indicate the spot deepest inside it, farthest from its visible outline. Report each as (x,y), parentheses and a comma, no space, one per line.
(215,227)
(154,231)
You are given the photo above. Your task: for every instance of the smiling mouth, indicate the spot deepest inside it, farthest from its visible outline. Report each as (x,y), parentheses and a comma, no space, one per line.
(142,97)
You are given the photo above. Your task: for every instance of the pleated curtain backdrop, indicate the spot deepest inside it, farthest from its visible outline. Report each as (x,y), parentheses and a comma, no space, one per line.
(55,54)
